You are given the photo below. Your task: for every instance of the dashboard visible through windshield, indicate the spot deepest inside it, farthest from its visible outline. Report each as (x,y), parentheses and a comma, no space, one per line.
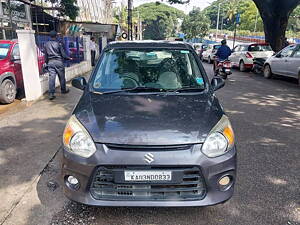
(156,69)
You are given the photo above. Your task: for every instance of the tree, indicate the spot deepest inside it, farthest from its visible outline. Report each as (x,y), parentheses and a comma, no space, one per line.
(275,15)
(195,25)
(66,8)
(294,21)
(160,20)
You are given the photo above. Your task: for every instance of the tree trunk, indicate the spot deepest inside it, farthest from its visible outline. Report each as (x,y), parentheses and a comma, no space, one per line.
(275,29)
(275,14)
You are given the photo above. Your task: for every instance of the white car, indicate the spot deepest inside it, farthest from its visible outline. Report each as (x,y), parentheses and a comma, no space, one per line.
(209,54)
(284,63)
(242,55)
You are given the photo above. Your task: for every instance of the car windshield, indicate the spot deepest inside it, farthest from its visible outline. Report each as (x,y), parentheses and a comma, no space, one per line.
(259,48)
(148,70)
(4,48)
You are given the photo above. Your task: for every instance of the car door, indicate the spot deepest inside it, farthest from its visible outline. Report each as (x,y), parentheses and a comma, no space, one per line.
(15,60)
(234,56)
(293,63)
(280,60)
(286,60)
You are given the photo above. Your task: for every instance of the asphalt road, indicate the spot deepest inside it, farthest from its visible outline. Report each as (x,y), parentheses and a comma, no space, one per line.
(266,117)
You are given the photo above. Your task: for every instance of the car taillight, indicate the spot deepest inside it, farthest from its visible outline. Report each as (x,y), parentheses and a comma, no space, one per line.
(249,55)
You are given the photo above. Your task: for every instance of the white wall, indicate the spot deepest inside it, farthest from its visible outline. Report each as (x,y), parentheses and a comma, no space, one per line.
(71,72)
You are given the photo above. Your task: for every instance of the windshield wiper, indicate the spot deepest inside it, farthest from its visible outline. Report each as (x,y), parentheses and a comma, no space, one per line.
(136,89)
(190,89)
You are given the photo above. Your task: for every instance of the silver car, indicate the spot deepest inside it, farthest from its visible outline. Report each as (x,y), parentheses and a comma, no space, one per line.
(285,63)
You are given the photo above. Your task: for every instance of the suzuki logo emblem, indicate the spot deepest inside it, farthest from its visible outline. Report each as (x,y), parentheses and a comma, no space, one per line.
(149,158)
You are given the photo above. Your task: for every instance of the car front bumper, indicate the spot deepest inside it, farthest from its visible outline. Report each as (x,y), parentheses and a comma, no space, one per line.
(212,169)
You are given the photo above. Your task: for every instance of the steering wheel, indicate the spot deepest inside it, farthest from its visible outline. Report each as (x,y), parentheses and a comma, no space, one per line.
(131,80)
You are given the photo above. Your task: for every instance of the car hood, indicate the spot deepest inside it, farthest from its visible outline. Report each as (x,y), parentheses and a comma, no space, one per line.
(148,119)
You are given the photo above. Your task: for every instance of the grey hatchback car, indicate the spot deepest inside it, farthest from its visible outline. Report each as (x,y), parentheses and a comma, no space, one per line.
(149,131)
(284,63)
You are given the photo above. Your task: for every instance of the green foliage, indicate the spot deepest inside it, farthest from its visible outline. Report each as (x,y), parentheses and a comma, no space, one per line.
(294,21)
(195,25)
(160,20)
(228,11)
(68,8)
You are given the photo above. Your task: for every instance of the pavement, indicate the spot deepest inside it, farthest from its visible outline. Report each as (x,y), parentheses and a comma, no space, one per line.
(265,115)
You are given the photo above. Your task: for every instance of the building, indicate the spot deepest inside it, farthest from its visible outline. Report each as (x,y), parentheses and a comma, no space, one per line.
(17,18)
(95,11)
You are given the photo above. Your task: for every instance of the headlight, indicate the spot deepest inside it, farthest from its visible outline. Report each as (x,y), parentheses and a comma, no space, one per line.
(77,140)
(220,139)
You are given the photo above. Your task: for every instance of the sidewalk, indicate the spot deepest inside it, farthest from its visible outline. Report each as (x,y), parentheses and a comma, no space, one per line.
(29,139)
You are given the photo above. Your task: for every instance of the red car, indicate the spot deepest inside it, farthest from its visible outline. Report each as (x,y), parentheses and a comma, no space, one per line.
(11,78)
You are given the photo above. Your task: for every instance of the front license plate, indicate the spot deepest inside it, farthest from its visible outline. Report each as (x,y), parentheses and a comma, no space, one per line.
(148,176)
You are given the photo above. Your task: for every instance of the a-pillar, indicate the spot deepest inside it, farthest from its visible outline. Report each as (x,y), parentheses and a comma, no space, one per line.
(29,61)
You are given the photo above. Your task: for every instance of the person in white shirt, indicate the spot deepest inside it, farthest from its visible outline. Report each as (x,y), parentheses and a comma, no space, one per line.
(93,50)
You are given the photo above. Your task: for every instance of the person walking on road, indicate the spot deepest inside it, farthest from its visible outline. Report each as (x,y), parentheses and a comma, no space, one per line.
(54,56)
(93,50)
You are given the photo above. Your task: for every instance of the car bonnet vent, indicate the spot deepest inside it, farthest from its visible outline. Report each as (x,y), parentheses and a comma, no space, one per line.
(148,147)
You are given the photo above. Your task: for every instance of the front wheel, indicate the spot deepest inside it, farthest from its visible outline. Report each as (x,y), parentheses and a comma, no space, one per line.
(8,92)
(268,72)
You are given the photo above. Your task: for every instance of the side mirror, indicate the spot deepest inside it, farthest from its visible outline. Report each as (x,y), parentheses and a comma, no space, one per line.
(15,58)
(217,83)
(79,82)
(278,55)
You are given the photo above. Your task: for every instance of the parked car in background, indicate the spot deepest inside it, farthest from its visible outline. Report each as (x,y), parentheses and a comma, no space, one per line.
(201,50)
(284,63)
(242,55)
(209,54)
(11,78)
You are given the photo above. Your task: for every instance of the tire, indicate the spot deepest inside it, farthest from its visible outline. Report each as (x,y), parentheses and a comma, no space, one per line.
(209,60)
(7,92)
(268,72)
(242,66)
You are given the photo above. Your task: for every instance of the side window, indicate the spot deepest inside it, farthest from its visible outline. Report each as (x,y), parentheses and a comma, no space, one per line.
(244,48)
(287,52)
(297,53)
(16,51)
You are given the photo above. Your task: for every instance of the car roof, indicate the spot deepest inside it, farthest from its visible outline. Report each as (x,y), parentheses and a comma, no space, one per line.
(149,44)
(8,41)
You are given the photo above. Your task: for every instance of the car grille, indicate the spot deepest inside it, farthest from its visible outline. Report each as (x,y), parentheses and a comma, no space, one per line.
(191,187)
(147,147)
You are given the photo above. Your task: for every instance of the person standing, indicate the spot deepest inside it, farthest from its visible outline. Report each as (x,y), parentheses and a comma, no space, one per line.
(54,56)
(93,50)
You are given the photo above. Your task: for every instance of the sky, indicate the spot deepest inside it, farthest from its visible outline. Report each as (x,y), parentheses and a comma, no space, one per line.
(186,8)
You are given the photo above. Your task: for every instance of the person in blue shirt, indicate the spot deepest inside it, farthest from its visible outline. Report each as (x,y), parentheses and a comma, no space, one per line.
(222,54)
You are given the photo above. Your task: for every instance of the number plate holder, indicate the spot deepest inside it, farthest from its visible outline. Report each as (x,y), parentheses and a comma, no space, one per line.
(123,176)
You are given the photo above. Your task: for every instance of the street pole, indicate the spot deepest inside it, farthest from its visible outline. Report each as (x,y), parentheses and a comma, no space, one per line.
(234,36)
(130,37)
(256,19)
(218,20)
